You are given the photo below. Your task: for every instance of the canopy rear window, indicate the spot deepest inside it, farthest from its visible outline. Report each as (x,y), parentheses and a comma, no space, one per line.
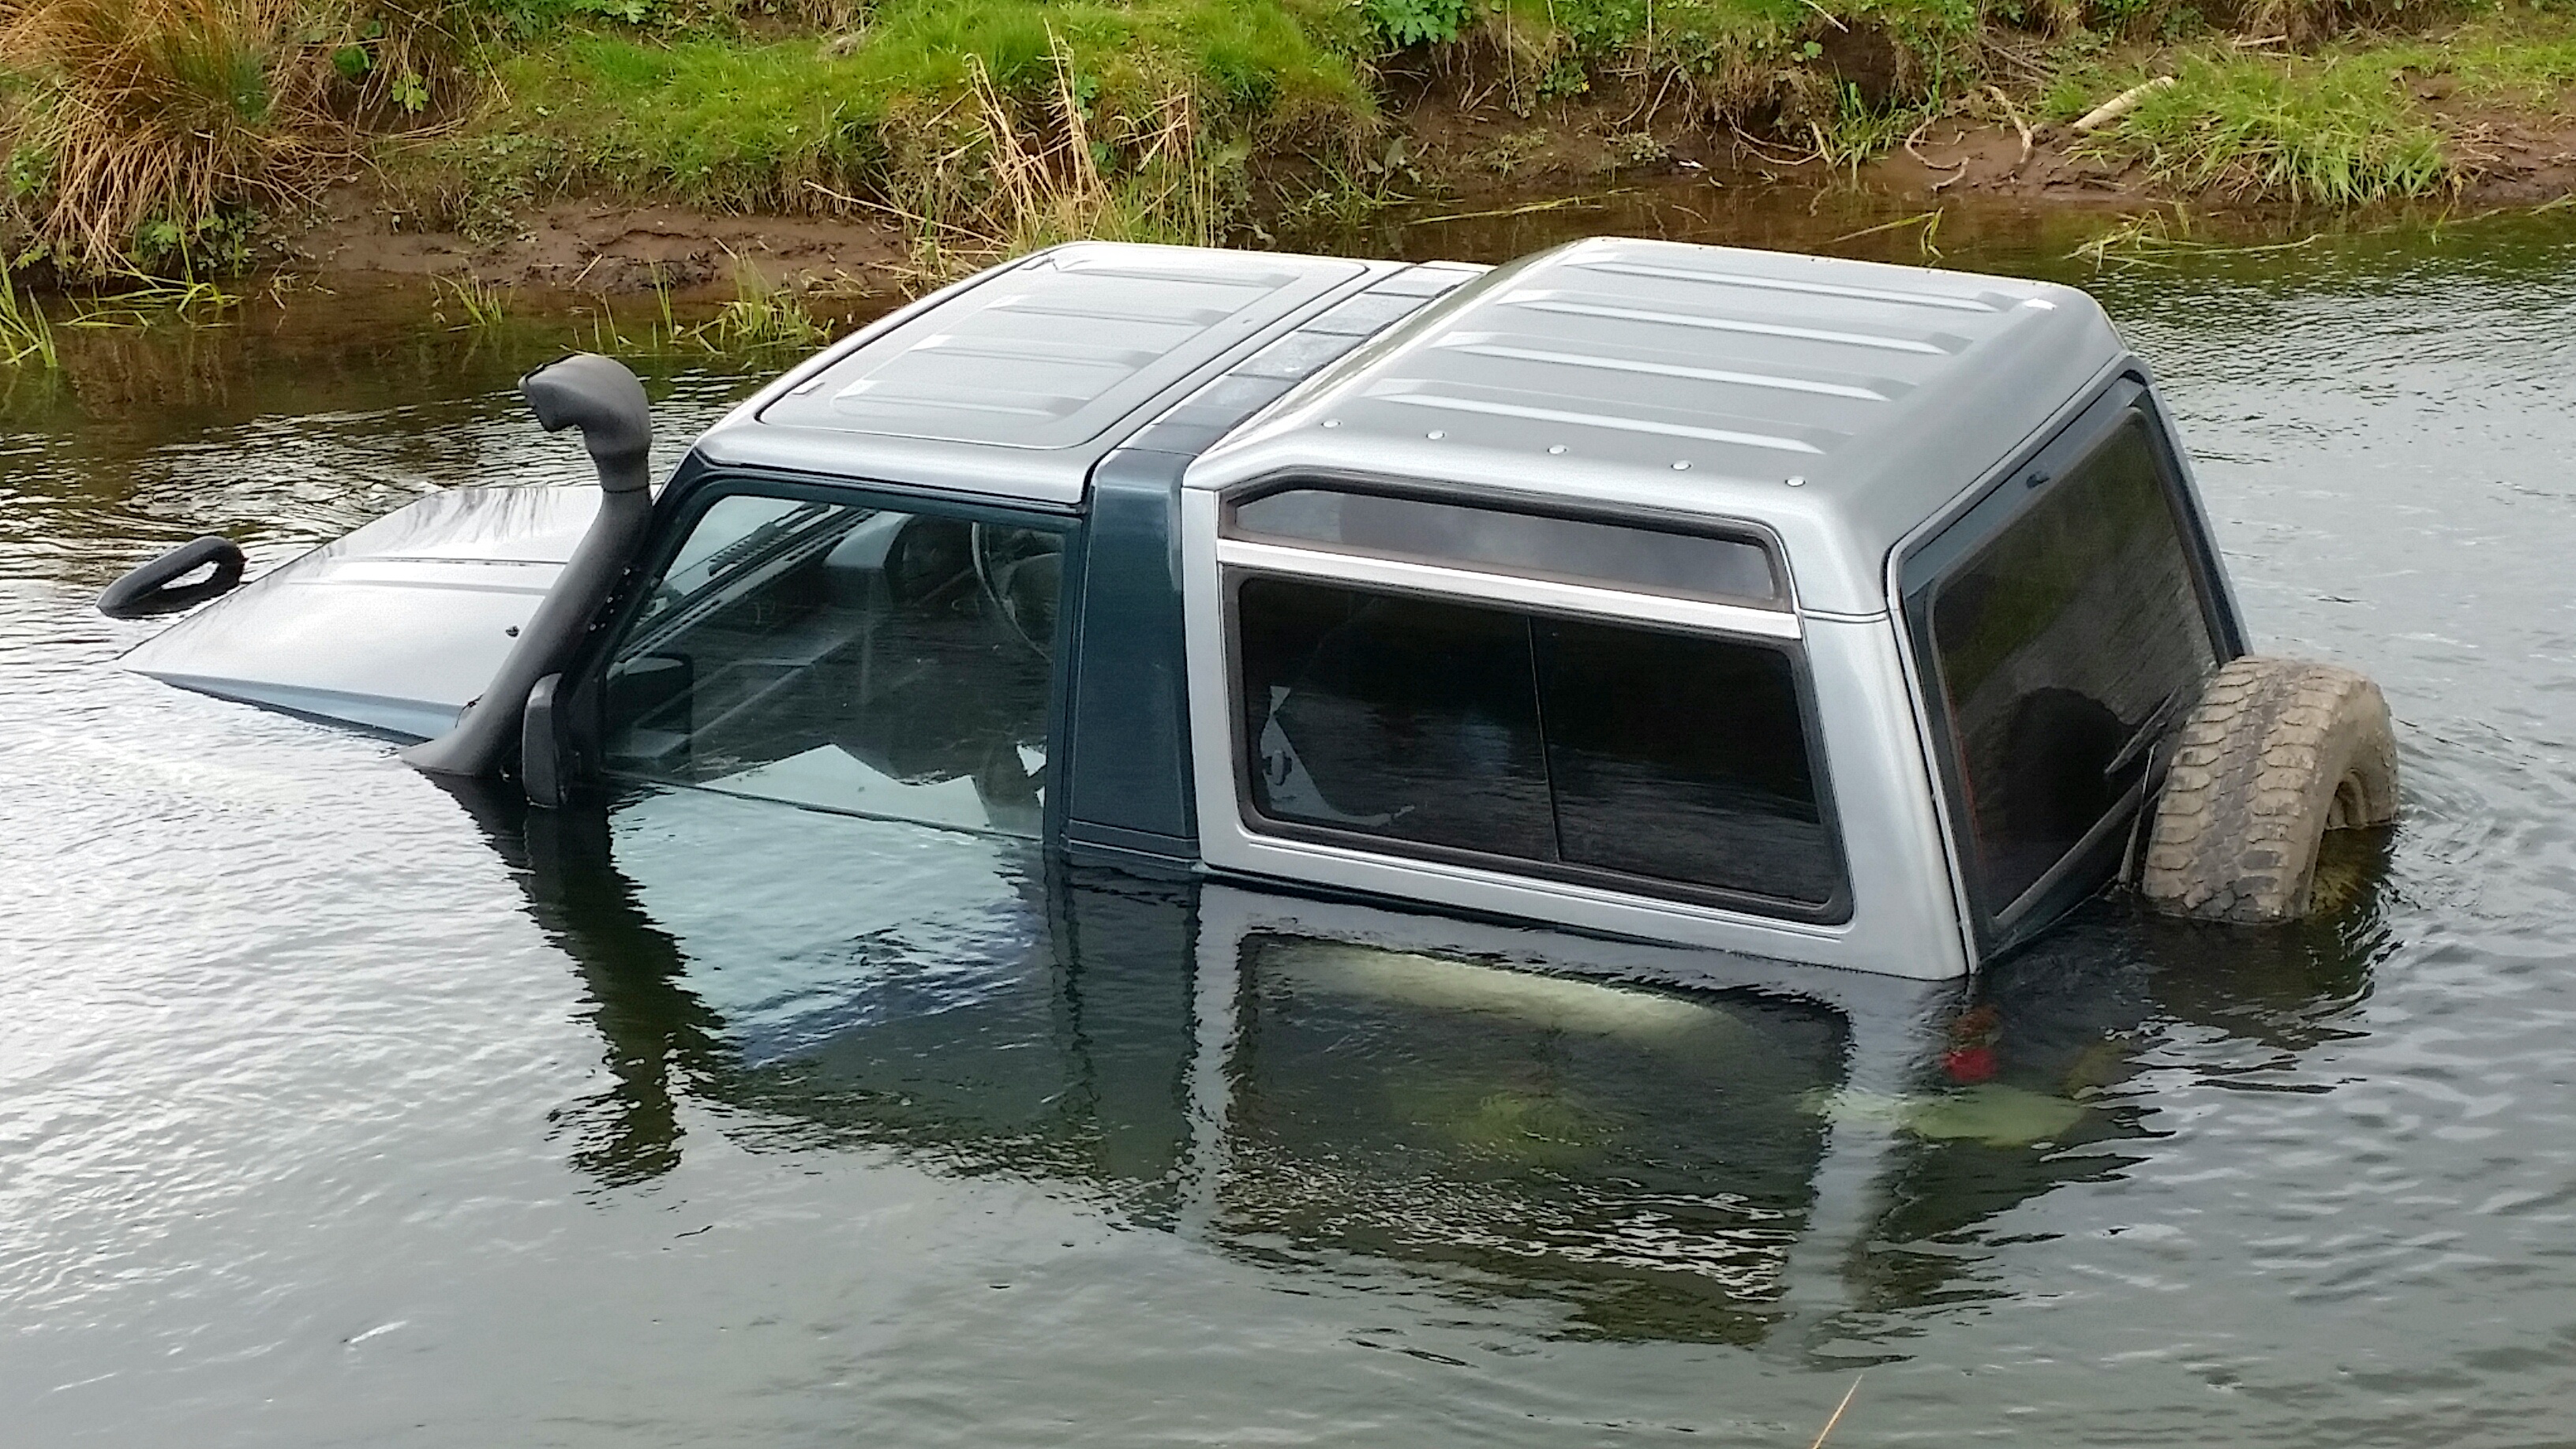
(2066,645)
(1719,568)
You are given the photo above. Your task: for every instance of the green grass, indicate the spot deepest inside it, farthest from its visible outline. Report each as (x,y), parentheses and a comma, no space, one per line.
(759,316)
(786,125)
(2350,124)
(2339,131)
(991,125)
(899,118)
(2531,63)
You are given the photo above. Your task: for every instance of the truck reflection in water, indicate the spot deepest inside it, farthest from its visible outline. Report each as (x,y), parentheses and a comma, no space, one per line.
(1328,1087)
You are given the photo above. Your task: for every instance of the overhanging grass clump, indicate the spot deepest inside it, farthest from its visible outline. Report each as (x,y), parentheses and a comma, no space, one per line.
(139,127)
(1744,62)
(2355,122)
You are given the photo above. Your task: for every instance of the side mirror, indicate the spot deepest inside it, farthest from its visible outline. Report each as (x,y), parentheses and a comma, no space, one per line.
(155,588)
(541,771)
(650,701)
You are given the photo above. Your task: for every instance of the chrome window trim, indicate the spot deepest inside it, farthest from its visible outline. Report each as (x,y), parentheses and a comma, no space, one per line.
(1520,591)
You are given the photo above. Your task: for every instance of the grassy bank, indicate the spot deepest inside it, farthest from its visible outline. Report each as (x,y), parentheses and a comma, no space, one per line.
(163,134)
(2355,120)
(979,126)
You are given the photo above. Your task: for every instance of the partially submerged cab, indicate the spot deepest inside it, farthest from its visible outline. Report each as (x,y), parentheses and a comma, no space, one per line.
(1808,609)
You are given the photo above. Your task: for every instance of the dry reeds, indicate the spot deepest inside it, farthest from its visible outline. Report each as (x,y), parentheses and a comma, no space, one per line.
(1849,1394)
(1014,178)
(161,116)
(1048,184)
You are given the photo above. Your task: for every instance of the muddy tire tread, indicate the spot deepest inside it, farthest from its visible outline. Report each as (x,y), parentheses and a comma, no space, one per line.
(2256,773)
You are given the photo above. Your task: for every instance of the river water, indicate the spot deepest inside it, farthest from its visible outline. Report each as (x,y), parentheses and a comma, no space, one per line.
(336,1109)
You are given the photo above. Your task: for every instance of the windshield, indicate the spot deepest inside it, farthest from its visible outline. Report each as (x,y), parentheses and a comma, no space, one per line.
(730,544)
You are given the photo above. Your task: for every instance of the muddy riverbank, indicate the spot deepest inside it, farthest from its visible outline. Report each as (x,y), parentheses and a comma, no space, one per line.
(682,147)
(1447,153)
(1959,181)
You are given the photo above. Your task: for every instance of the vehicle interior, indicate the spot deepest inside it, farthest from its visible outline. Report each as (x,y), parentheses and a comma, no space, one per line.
(848,658)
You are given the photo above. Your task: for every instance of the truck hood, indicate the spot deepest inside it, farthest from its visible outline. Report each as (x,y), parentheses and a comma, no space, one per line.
(396,627)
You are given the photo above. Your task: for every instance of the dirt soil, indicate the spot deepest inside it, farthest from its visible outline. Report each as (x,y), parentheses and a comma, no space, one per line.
(598,245)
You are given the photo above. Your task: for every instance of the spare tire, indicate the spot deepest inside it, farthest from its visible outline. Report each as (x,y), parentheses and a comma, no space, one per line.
(2277,753)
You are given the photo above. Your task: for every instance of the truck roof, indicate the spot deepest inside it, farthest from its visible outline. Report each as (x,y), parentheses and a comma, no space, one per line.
(1838,403)
(1686,379)
(1016,381)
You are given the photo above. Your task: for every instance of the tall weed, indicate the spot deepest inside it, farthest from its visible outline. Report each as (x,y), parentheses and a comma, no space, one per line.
(26,336)
(1019,176)
(759,315)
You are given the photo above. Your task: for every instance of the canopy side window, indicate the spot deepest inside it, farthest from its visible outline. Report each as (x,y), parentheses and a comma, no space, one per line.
(2065,647)
(1615,754)
(1719,568)
(846,657)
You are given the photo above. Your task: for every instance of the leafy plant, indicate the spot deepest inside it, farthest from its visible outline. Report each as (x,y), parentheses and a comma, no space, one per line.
(1407,23)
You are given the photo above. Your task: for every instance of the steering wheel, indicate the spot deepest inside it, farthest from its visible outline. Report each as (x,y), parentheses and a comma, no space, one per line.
(1020,571)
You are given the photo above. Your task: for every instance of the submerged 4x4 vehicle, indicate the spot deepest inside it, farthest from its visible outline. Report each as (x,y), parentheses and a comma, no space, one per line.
(1817,610)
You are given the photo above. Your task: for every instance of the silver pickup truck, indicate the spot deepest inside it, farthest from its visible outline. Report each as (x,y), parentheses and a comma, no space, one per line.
(1774,606)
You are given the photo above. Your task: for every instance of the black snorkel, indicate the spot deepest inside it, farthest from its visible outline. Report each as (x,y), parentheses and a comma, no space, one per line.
(606,402)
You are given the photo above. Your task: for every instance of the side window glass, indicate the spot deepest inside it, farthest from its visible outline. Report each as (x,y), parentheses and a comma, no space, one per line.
(885,663)
(2066,645)
(1607,753)
(1403,718)
(1684,758)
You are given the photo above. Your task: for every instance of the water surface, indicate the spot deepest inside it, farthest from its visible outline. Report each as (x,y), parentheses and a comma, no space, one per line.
(337,1109)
